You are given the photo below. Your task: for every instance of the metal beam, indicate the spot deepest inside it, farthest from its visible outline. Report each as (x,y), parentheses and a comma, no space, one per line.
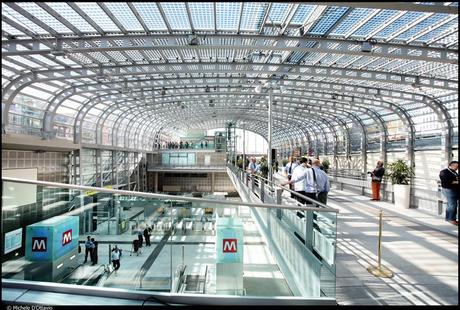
(242,42)
(400,6)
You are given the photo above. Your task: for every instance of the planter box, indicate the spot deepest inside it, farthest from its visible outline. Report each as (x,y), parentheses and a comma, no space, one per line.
(402,195)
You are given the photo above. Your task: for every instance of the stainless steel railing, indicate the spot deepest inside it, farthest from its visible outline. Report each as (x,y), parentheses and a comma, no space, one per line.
(164,196)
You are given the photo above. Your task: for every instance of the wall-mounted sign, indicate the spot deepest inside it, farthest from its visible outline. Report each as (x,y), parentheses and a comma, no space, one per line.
(13,240)
(229,245)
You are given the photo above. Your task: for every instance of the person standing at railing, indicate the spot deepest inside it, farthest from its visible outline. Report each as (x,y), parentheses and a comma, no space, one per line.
(253,166)
(299,187)
(310,184)
(322,181)
(288,170)
(450,188)
(377,176)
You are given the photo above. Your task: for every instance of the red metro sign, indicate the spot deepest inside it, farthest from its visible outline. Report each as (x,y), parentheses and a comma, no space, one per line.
(229,245)
(67,237)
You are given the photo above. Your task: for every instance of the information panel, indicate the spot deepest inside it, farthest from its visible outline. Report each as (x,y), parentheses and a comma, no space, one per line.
(13,240)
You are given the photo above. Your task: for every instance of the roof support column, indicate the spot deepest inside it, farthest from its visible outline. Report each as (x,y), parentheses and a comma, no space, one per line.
(270,124)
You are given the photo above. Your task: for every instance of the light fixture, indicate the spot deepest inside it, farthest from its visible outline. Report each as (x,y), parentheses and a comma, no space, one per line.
(366,47)
(193,40)
(258,89)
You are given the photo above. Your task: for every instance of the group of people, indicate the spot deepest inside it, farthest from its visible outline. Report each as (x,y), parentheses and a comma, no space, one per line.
(91,247)
(144,234)
(186,145)
(307,177)
(449,187)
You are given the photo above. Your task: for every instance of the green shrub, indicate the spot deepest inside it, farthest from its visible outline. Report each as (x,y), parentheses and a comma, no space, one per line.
(399,172)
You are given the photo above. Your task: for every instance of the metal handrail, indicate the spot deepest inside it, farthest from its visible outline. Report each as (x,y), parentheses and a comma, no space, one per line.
(161,297)
(164,196)
(277,185)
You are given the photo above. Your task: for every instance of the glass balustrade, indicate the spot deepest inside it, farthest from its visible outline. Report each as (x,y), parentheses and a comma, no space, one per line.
(211,245)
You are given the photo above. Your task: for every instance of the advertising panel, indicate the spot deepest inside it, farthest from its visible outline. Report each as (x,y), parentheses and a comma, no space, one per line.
(13,240)
(229,240)
(50,239)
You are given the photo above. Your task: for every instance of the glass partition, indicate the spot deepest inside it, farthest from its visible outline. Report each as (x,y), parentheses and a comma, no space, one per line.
(177,244)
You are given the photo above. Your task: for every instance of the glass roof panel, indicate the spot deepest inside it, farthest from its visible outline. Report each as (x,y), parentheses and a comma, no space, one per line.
(302,14)
(10,29)
(328,19)
(399,23)
(45,60)
(44,16)
(432,34)
(151,15)
(253,15)
(124,15)
(73,17)
(202,15)
(278,12)
(375,22)
(94,11)
(421,26)
(228,14)
(355,17)
(25,61)
(177,16)
(449,39)
(21,20)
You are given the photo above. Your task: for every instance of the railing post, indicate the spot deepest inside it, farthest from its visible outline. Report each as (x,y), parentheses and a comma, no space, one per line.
(252,183)
(262,190)
(279,211)
(309,230)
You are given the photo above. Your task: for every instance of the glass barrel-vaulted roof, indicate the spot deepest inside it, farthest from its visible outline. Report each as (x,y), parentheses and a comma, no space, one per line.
(171,66)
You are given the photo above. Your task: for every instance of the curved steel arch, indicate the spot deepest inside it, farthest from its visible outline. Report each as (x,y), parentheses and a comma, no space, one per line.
(29,78)
(113,94)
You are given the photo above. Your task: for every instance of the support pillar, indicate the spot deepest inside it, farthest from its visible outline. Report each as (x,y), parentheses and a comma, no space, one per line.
(212,182)
(270,124)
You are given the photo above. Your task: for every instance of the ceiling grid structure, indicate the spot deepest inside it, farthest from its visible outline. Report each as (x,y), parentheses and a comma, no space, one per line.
(385,70)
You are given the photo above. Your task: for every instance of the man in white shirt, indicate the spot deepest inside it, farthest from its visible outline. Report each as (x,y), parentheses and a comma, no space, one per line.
(288,170)
(299,187)
(309,188)
(253,166)
(322,181)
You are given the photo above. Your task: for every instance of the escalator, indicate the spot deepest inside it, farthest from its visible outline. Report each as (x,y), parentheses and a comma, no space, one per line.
(87,275)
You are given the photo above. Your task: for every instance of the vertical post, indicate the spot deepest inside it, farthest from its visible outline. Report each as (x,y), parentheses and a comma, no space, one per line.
(212,182)
(279,192)
(244,148)
(309,229)
(270,124)
(380,240)
(236,156)
(183,253)
(262,190)
(110,253)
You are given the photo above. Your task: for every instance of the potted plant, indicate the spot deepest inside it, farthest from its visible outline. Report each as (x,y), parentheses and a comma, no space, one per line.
(400,174)
(326,164)
(284,162)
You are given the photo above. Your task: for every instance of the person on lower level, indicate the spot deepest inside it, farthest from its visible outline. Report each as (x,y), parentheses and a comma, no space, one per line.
(377,176)
(116,258)
(88,248)
(449,188)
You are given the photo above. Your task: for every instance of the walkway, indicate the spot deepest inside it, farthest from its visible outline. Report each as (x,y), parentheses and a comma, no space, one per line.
(420,248)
